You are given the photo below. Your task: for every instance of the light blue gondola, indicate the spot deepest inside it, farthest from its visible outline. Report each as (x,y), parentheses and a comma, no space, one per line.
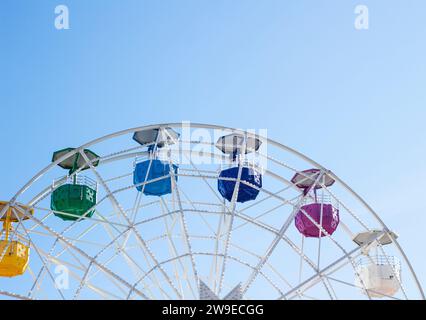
(152,170)
(152,176)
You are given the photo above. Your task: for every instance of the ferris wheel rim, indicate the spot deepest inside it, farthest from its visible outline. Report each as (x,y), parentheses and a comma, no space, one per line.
(233,130)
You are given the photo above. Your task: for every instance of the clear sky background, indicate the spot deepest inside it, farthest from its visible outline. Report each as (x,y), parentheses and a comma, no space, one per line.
(353,100)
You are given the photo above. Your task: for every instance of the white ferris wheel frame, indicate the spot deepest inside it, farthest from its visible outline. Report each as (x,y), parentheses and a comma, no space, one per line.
(256,270)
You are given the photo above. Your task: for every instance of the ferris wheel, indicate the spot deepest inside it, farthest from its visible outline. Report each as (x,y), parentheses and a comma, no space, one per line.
(195,211)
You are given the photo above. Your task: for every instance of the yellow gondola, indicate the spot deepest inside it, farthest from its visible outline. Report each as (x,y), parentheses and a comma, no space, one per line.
(14,249)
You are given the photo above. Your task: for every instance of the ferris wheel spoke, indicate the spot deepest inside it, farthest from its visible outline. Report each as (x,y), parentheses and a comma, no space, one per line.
(133,265)
(324,278)
(176,194)
(62,262)
(152,276)
(267,264)
(260,201)
(66,248)
(48,214)
(34,277)
(138,199)
(43,194)
(52,278)
(239,261)
(39,251)
(114,241)
(38,284)
(248,265)
(205,180)
(278,237)
(272,195)
(215,267)
(151,270)
(360,288)
(276,232)
(123,154)
(413,274)
(102,219)
(70,267)
(292,245)
(116,204)
(230,224)
(348,256)
(394,272)
(58,261)
(345,258)
(319,231)
(106,263)
(146,181)
(91,263)
(73,241)
(327,286)
(136,207)
(85,283)
(301,259)
(184,226)
(263,214)
(197,211)
(174,250)
(327,283)
(121,248)
(279,274)
(74,275)
(341,203)
(214,192)
(83,254)
(13,295)
(270,250)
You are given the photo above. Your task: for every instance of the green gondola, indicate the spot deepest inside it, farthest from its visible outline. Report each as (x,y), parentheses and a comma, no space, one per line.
(75,198)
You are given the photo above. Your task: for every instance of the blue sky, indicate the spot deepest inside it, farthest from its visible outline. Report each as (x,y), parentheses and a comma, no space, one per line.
(352,100)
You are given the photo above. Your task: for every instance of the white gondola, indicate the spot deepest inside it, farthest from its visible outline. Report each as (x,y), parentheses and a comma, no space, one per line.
(380,275)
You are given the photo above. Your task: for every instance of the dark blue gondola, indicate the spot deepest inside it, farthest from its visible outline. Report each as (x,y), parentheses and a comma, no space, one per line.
(245,192)
(236,145)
